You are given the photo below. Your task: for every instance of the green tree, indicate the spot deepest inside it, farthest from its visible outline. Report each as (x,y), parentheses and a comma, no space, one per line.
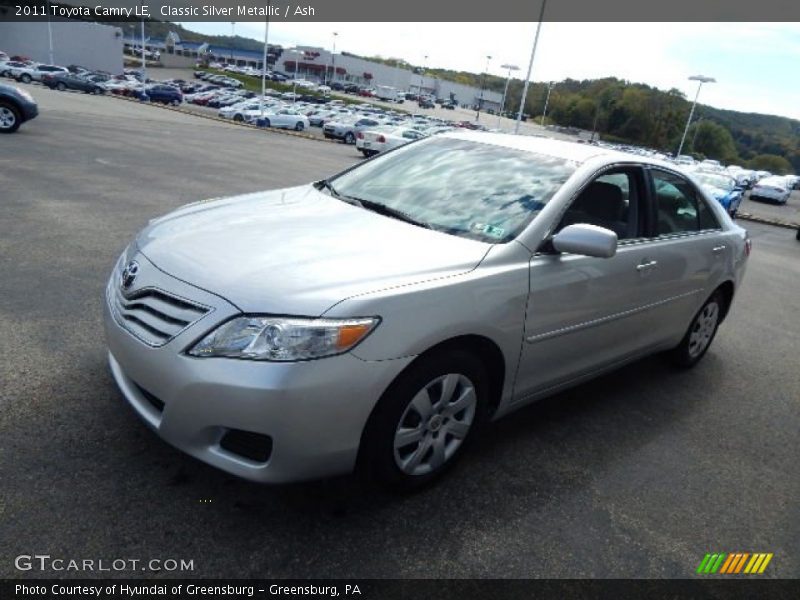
(713,140)
(770,162)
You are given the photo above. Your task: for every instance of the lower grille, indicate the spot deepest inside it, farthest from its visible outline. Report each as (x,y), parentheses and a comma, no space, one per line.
(253,446)
(154,401)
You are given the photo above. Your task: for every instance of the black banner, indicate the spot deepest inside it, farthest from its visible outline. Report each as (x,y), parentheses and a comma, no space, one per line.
(405,589)
(405,11)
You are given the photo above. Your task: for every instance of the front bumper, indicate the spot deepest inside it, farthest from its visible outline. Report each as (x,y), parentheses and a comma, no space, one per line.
(313,412)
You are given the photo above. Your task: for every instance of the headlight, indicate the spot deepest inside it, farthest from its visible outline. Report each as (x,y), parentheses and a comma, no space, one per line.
(283,339)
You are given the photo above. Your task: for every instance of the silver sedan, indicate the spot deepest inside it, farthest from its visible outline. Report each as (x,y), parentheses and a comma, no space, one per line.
(376,320)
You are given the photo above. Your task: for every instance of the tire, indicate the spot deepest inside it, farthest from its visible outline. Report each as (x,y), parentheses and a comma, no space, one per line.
(349,138)
(176,102)
(365,153)
(60,86)
(701,332)
(797,237)
(238,118)
(10,119)
(25,78)
(299,126)
(421,402)
(267,123)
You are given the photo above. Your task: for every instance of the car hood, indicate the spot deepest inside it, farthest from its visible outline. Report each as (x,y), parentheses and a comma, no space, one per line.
(298,251)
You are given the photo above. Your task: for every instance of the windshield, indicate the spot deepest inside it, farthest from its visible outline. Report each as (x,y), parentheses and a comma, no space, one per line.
(466,188)
(717,181)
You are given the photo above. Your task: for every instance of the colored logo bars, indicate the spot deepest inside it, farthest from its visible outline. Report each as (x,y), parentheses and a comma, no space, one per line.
(735,563)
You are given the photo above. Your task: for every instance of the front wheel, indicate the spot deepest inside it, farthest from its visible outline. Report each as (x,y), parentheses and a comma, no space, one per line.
(60,86)
(10,119)
(299,126)
(176,102)
(701,332)
(423,421)
(349,138)
(25,78)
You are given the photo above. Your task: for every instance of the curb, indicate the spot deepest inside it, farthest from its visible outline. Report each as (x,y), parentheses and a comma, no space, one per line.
(226,121)
(767,220)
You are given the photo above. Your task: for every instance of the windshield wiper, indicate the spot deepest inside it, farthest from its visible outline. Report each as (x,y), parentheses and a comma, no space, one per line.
(326,185)
(394,213)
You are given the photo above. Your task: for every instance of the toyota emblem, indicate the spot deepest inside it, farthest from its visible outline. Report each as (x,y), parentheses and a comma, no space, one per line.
(129,274)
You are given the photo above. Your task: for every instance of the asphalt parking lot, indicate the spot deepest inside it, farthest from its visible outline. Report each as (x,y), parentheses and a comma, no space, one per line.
(637,474)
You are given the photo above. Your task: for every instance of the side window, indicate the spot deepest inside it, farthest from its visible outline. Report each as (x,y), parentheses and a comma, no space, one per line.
(708,219)
(677,208)
(610,201)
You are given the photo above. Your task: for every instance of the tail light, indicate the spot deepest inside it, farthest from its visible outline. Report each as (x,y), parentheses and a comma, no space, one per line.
(748,246)
(381,139)
(360,135)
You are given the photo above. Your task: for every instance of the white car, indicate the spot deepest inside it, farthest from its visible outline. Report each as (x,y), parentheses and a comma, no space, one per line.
(284,118)
(241,111)
(773,189)
(380,139)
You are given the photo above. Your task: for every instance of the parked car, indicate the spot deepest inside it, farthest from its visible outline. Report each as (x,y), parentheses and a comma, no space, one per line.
(722,188)
(377,319)
(772,189)
(373,141)
(284,118)
(16,107)
(164,94)
(7,66)
(346,129)
(30,73)
(69,81)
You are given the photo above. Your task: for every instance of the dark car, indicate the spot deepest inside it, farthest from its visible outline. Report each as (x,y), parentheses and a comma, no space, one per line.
(337,86)
(16,107)
(351,88)
(425,103)
(164,94)
(68,81)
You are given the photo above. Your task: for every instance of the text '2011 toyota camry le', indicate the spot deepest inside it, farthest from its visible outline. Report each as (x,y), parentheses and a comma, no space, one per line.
(376,319)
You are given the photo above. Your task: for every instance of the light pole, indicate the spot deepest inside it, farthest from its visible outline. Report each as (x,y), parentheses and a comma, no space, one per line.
(144,61)
(530,68)
(333,58)
(264,60)
(296,53)
(233,37)
(505,90)
(483,85)
(546,101)
(702,79)
(422,74)
(50,33)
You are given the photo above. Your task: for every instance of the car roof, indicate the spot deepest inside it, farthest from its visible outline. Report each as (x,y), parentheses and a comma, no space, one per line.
(565,150)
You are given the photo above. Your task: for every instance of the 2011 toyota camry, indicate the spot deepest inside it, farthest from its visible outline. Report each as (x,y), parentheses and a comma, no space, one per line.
(377,319)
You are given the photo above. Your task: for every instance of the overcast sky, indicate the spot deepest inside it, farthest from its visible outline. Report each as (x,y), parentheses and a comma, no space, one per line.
(755,64)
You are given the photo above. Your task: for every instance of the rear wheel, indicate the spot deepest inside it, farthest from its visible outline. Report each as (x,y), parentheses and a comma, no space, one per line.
(238,118)
(349,138)
(176,102)
(25,78)
(701,332)
(423,421)
(60,86)
(10,119)
(299,126)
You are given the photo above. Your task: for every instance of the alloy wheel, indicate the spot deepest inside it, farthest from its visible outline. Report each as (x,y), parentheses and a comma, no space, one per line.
(7,118)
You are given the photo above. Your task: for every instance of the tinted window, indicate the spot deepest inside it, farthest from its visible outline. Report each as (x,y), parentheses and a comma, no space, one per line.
(476,190)
(676,204)
(610,201)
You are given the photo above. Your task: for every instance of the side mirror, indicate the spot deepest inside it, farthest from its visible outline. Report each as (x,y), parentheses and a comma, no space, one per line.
(587,240)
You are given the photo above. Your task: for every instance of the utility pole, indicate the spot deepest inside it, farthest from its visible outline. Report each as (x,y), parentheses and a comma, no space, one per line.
(483,85)
(530,68)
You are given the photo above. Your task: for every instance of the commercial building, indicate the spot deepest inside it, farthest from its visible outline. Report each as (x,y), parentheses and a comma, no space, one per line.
(91,45)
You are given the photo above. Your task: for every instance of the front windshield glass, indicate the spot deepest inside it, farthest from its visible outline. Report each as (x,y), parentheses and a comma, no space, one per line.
(476,190)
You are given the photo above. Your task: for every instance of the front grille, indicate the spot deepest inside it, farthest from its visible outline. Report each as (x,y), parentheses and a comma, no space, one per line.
(254,446)
(153,316)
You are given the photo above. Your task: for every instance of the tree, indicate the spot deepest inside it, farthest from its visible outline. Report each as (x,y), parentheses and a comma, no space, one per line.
(713,140)
(770,162)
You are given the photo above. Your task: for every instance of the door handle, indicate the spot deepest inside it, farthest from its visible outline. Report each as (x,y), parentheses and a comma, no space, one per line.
(645,266)
(718,249)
